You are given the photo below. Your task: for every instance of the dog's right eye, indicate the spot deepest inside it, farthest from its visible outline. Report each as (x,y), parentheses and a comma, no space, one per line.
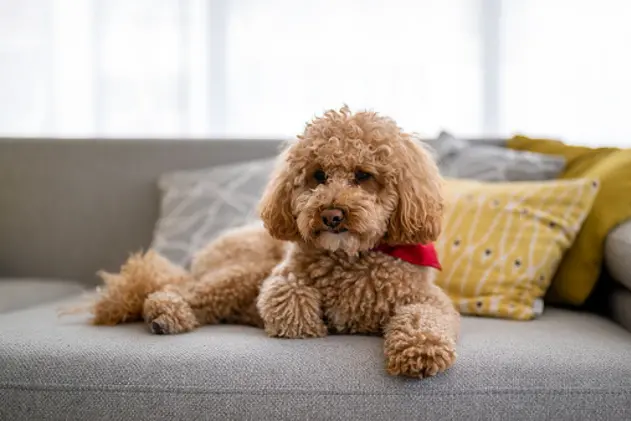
(320,176)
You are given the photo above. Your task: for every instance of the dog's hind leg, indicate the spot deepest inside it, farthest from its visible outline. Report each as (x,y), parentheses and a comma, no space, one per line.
(123,294)
(227,295)
(227,277)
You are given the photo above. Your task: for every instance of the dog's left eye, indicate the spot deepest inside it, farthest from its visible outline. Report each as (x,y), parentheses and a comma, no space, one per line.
(320,176)
(362,176)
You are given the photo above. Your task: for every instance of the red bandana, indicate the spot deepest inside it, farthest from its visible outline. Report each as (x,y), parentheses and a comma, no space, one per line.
(417,254)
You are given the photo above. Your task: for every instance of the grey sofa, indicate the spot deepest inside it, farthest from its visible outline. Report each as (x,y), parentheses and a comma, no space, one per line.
(71,207)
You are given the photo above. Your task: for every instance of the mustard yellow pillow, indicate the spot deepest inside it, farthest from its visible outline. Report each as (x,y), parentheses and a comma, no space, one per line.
(502,242)
(580,268)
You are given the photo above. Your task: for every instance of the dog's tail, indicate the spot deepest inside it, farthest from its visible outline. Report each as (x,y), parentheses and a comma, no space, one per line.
(123,294)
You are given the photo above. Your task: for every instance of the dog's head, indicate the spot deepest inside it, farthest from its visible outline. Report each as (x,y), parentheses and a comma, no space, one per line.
(352,181)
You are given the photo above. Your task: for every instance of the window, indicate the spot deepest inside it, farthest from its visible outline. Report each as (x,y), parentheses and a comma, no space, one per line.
(249,68)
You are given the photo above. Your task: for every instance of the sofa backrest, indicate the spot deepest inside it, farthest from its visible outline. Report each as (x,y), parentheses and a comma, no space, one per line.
(71,207)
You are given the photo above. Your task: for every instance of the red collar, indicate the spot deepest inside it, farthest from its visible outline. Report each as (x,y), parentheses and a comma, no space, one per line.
(417,254)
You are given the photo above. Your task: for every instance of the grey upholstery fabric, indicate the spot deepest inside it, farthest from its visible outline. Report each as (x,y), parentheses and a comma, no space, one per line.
(618,253)
(198,205)
(17,294)
(71,207)
(488,161)
(563,366)
(620,306)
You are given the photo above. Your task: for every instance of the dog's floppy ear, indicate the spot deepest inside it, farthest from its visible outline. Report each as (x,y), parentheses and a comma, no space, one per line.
(275,206)
(418,215)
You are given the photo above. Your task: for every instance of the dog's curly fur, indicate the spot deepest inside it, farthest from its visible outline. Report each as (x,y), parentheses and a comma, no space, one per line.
(301,278)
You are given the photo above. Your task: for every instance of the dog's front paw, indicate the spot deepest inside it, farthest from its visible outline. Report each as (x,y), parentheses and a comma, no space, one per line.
(290,309)
(295,329)
(420,355)
(167,313)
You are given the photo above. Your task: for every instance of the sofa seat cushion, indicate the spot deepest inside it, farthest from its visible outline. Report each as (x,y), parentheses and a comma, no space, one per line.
(563,366)
(16,294)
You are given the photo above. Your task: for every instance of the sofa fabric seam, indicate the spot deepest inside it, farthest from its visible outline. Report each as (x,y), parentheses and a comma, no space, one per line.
(262,392)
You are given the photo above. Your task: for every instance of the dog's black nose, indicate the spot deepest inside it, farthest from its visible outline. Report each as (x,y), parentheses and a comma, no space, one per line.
(332,217)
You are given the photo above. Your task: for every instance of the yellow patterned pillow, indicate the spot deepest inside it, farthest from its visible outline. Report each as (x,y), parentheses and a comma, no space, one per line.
(502,242)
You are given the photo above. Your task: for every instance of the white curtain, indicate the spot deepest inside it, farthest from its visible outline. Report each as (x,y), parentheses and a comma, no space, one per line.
(252,68)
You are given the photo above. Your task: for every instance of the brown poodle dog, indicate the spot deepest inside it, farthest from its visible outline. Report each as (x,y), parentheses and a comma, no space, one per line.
(349,191)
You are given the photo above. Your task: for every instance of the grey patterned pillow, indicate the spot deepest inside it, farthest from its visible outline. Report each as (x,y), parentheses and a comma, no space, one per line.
(458,158)
(198,205)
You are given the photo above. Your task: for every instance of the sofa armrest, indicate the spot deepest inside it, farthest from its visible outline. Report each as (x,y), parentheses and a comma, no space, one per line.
(617,252)
(619,301)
